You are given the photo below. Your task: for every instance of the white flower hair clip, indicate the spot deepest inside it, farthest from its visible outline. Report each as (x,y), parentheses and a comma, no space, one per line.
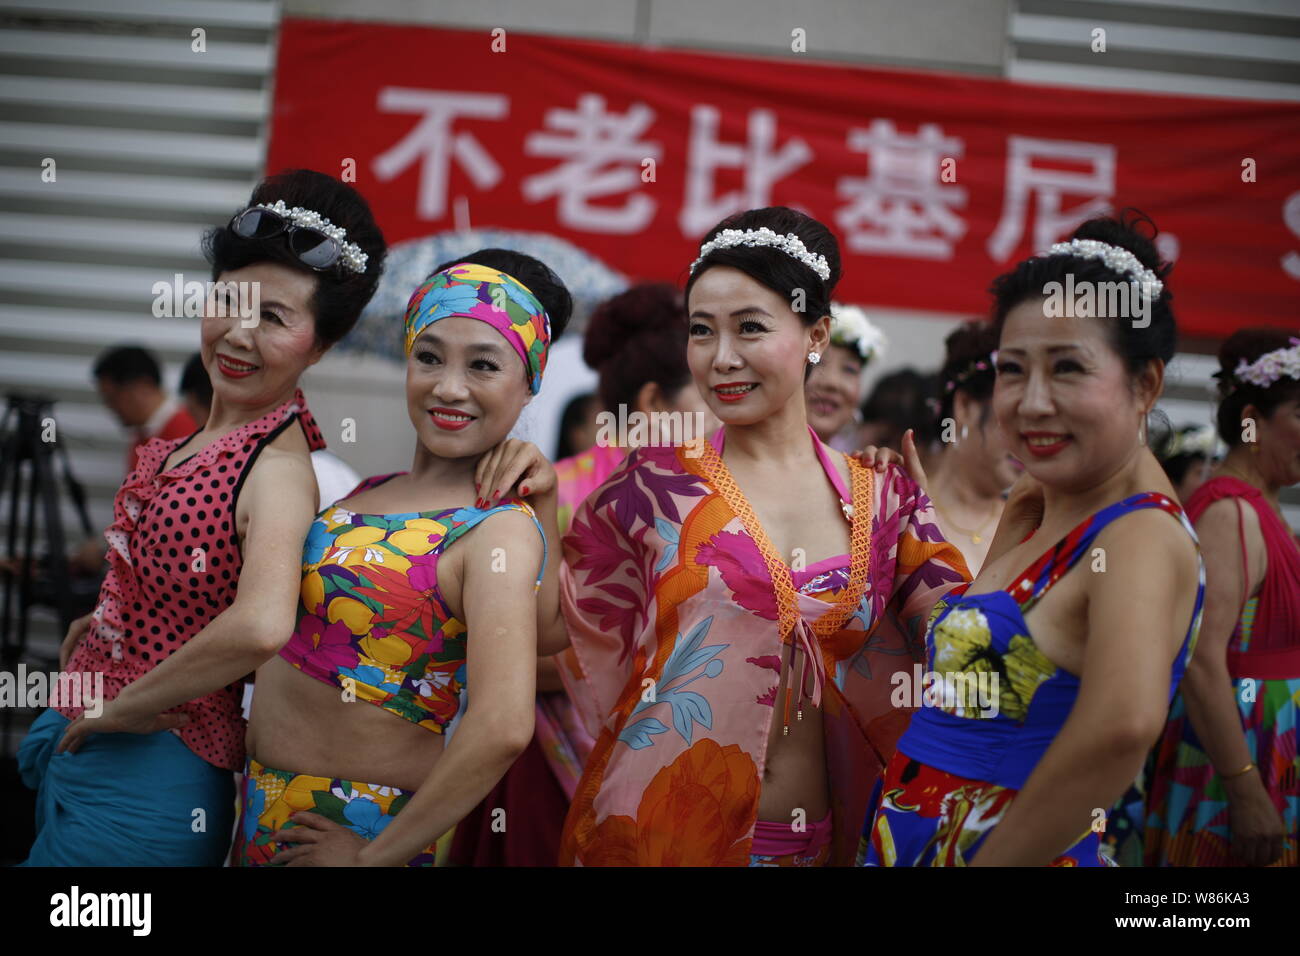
(1270,366)
(851,328)
(790,244)
(1202,441)
(1116,259)
(349,252)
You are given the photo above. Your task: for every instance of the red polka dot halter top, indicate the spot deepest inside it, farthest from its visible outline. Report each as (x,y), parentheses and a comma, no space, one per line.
(174,563)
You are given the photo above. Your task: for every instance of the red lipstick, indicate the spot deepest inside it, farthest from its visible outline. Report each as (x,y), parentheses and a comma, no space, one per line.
(234,368)
(736,396)
(448,419)
(1047,449)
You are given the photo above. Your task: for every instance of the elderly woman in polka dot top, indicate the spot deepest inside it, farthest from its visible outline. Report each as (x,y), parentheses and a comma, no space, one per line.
(143,775)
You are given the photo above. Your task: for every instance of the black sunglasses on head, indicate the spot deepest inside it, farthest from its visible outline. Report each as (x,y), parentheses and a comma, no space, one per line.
(313,248)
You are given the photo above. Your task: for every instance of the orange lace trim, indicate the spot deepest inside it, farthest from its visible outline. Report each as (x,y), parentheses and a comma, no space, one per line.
(862,490)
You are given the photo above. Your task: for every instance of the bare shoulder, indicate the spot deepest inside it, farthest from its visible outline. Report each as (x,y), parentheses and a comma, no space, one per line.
(509,527)
(1146,541)
(506,543)
(290,439)
(1219,520)
(278,471)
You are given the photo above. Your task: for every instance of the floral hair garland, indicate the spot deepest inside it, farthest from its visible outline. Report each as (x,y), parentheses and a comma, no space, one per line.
(851,329)
(1270,367)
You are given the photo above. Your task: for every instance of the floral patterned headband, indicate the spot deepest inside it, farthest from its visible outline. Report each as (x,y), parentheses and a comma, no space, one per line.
(500,300)
(1270,366)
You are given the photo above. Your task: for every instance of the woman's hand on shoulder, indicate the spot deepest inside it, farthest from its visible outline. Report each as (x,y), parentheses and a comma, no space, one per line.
(511,464)
(880,458)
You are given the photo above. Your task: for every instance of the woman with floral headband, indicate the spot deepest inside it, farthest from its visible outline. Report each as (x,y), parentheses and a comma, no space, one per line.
(739,608)
(1225,785)
(374,682)
(150,780)
(1053,683)
(834,385)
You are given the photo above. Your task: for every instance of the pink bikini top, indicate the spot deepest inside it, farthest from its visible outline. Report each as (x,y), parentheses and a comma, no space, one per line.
(825,579)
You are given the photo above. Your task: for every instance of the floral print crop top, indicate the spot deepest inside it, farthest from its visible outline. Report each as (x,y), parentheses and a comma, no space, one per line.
(371,617)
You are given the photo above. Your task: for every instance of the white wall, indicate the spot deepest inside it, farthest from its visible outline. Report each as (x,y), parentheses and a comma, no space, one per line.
(947,34)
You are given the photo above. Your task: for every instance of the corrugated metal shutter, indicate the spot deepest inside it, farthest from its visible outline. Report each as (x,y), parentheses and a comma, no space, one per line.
(1237,48)
(152,141)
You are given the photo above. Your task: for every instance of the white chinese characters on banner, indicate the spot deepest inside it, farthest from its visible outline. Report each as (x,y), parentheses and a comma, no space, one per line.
(602,154)
(432,142)
(762,165)
(1025,179)
(901,208)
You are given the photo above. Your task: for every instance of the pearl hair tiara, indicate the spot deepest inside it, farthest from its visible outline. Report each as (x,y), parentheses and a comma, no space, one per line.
(790,244)
(1116,259)
(351,254)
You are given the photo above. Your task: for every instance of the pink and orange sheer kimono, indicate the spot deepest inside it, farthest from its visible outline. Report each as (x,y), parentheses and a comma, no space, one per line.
(669,581)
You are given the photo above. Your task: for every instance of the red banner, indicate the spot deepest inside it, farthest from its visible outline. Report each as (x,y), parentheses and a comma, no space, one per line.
(933,182)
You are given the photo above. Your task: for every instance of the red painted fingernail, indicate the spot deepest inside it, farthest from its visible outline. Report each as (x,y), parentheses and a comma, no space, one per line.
(523,489)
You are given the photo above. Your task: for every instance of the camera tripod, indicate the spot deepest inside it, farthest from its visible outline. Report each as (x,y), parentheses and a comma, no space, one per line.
(29,434)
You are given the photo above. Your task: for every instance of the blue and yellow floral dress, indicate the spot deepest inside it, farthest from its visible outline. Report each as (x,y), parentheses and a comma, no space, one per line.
(966,754)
